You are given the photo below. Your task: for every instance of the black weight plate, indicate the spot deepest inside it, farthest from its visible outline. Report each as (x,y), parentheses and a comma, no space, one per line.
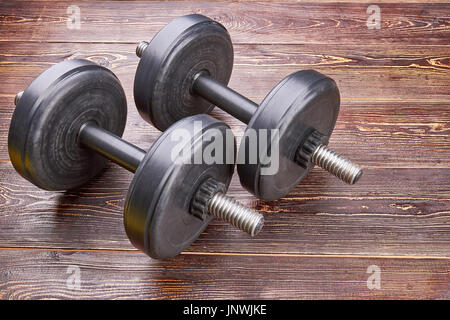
(42,141)
(302,101)
(166,71)
(157,218)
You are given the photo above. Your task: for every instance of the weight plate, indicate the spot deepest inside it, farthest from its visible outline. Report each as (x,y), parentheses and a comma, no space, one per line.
(301,102)
(42,141)
(157,215)
(165,74)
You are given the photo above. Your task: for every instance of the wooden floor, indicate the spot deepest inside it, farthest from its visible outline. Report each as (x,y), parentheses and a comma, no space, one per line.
(319,241)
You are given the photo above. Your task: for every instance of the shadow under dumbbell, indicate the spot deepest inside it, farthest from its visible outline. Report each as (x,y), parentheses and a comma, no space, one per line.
(91,216)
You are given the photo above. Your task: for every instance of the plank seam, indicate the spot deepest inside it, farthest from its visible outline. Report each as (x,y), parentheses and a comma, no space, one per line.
(287,255)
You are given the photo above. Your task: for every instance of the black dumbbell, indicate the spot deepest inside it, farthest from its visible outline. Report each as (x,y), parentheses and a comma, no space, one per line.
(184,70)
(68,122)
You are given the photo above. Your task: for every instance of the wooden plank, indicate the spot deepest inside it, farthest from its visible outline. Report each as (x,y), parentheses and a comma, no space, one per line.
(45,274)
(249,22)
(415,122)
(389,72)
(395,140)
(388,213)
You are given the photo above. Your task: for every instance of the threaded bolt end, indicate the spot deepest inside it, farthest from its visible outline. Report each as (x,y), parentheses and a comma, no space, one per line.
(337,165)
(141,47)
(17,97)
(231,211)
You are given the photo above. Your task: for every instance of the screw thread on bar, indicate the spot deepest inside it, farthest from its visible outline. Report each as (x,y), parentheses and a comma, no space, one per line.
(141,47)
(17,97)
(231,211)
(337,165)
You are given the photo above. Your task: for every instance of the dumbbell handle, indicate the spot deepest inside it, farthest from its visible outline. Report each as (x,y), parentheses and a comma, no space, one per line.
(110,146)
(225,98)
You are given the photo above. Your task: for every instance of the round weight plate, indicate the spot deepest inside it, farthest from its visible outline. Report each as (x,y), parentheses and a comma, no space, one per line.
(301,102)
(157,216)
(42,141)
(165,74)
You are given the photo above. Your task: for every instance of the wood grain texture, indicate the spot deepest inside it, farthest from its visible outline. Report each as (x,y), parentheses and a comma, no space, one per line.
(315,218)
(252,22)
(43,274)
(419,141)
(319,240)
(389,70)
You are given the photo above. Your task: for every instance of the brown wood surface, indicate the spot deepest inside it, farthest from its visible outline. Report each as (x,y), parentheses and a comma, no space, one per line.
(42,274)
(320,239)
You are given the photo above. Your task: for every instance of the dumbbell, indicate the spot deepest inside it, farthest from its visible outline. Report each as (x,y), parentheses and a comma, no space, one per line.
(68,122)
(184,70)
